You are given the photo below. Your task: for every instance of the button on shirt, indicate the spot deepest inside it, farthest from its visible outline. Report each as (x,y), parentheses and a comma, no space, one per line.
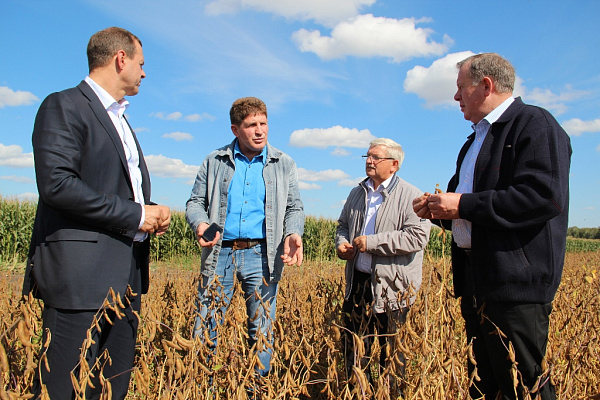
(246,199)
(461,228)
(116,112)
(374,199)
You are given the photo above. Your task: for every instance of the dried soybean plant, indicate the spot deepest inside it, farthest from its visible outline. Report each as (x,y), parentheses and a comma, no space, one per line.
(308,360)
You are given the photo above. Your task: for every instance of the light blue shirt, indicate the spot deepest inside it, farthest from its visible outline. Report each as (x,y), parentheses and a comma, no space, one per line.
(246,201)
(284,212)
(461,228)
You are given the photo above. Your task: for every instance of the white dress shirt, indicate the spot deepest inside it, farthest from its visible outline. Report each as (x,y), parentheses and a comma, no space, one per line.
(116,112)
(374,200)
(461,228)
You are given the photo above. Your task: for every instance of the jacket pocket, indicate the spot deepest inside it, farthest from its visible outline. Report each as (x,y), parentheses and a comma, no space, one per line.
(73,235)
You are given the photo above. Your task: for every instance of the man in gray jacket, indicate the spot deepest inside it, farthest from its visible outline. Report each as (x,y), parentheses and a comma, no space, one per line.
(382,240)
(249,189)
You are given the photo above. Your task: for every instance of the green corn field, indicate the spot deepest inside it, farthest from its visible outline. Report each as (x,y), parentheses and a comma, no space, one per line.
(179,243)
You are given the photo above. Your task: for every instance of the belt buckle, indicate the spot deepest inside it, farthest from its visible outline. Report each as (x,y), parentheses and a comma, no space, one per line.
(240,245)
(243,244)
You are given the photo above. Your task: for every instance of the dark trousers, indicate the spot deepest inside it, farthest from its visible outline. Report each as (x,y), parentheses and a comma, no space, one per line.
(360,319)
(526,327)
(68,330)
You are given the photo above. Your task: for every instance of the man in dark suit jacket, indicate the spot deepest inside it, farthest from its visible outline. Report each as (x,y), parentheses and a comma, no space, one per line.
(507,206)
(94,217)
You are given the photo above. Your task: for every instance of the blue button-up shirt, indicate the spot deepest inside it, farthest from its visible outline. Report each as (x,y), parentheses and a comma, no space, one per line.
(246,201)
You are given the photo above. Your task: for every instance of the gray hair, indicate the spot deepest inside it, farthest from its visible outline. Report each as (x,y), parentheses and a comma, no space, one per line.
(492,65)
(393,149)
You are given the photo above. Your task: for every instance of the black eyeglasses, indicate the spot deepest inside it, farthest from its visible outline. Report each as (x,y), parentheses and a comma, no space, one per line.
(376,158)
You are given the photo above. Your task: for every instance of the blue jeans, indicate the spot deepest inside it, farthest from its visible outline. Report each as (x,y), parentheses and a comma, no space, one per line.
(249,266)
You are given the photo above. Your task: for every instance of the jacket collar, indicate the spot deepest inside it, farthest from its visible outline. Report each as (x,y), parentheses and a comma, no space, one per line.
(386,191)
(273,154)
(506,115)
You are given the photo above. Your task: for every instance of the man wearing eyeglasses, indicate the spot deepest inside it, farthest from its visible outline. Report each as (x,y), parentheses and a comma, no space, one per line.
(382,240)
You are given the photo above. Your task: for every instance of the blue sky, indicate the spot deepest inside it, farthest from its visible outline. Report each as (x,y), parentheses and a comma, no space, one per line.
(334,74)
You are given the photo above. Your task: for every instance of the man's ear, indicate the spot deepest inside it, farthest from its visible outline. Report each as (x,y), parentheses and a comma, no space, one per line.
(488,85)
(120,59)
(234,129)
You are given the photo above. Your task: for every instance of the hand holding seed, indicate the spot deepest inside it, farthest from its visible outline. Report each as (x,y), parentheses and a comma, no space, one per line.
(444,205)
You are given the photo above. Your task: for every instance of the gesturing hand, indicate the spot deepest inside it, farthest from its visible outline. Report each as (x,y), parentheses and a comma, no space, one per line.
(345,251)
(292,250)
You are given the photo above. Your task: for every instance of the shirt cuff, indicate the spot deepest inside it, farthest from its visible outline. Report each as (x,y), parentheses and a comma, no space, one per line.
(143,218)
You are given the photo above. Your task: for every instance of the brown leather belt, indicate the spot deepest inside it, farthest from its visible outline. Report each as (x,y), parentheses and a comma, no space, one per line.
(242,244)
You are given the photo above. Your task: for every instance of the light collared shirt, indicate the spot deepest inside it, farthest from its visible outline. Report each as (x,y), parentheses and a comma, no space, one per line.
(374,200)
(116,111)
(461,228)
(246,200)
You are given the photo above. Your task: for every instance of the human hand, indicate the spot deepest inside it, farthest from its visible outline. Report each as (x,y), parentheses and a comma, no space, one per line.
(203,242)
(345,251)
(292,250)
(444,205)
(420,206)
(360,243)
(165,222)
(157,219)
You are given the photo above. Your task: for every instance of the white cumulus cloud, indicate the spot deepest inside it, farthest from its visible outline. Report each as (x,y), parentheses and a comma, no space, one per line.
(18,179)
(435,84)
(552,101)
(336,136)
(9,97)
(370,36)
(576,127)
(321,176)
(326,12)
(340,152)
(176,116)
(199,117)
(13,156)
(178,136)
(166,167)
(350,182)
(308,186)
(28,196)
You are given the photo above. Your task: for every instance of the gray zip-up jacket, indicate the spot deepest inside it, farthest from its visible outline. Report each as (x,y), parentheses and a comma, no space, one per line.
(397,247)
(284,211)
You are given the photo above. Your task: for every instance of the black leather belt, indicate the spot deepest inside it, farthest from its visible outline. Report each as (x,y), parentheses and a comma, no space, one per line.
(242,244)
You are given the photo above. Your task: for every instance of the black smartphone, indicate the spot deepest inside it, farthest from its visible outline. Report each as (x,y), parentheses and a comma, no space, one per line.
(210,232)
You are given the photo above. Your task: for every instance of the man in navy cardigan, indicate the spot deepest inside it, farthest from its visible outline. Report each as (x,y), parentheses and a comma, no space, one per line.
(507,206)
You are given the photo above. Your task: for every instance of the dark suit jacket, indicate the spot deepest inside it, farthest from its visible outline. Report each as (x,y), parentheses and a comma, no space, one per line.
(82,242)
(519,209)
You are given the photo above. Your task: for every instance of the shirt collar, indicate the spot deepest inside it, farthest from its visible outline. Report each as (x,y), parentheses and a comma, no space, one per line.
(384,185)
(106,99)
(496,112)
(237,152)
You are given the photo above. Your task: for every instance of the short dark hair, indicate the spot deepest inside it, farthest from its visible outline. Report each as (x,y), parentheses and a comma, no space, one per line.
(241,108)
(103,45)
(492,65)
